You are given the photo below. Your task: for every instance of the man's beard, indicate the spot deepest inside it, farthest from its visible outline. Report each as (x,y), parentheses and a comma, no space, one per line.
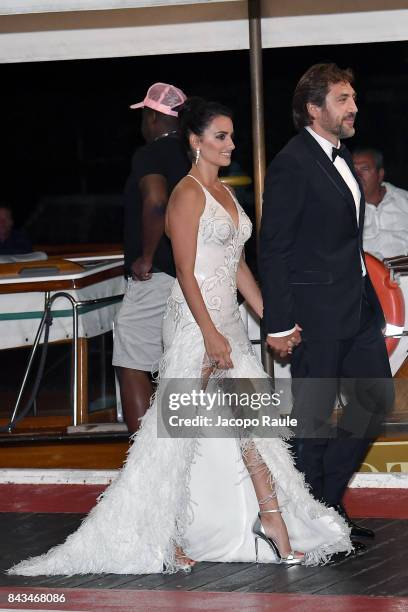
(340,130)
(346,131)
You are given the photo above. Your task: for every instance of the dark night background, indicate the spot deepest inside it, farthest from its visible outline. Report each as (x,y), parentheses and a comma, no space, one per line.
(68,134)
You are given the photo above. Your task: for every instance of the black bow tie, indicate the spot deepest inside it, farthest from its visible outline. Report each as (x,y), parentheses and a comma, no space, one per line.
(339,151)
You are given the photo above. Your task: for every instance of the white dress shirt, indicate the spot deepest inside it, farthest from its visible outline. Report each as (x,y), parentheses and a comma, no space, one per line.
(341,166)
(386,225)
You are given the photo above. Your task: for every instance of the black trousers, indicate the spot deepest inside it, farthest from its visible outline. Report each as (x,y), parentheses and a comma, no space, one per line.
(358,371)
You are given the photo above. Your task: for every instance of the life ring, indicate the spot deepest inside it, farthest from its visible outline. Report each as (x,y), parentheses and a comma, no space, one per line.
(390,295)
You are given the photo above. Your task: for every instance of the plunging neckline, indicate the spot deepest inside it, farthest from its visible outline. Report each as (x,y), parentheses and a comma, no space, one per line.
(236,227)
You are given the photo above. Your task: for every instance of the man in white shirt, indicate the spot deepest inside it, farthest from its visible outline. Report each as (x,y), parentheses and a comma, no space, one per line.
(319,303)
(386,215)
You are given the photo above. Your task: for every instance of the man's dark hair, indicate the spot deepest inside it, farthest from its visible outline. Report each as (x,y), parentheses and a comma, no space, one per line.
(377,156)
(313,88)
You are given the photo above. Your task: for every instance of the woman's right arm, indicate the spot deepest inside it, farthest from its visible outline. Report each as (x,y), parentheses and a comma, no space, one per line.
(182,221)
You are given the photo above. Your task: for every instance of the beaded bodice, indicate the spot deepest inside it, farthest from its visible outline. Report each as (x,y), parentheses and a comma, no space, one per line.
(219,248)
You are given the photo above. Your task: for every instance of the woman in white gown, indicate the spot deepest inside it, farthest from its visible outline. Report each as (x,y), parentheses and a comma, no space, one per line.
(191,494)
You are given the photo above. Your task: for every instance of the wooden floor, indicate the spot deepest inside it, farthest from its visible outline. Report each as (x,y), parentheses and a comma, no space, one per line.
(379,572)
(32,519)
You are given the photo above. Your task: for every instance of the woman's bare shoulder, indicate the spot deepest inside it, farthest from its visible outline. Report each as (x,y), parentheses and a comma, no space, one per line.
(187,195)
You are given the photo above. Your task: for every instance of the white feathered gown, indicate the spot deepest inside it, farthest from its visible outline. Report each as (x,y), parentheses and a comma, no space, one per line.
(188,491)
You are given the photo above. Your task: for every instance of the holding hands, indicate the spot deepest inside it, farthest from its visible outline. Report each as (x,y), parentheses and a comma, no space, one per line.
(284,345)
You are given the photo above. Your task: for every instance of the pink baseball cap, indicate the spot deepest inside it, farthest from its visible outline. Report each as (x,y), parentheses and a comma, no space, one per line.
(163,98)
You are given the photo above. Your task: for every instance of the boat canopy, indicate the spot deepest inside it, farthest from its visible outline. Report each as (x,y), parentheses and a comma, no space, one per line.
(45,30)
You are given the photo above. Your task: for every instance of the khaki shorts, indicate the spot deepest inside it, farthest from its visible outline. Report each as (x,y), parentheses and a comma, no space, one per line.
(138,325)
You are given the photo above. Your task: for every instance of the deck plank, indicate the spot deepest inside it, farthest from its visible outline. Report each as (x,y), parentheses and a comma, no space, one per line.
(204,578)
(154,581)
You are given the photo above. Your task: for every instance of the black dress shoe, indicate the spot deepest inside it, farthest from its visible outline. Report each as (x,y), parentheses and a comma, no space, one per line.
(357,531)
(358,549)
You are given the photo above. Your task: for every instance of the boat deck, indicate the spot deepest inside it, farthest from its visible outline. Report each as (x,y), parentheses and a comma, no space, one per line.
(374,580)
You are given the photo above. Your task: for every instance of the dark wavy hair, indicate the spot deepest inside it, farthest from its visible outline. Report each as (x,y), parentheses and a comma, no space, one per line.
(196,115)
(313,88)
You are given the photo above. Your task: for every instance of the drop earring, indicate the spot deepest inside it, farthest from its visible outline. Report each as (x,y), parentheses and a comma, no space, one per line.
(197,156)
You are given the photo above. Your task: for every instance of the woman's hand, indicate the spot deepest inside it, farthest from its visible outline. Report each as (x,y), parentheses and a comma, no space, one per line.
(218,350)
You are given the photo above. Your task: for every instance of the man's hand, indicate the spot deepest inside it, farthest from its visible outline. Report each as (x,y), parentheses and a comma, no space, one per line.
(141,269)
(284,345)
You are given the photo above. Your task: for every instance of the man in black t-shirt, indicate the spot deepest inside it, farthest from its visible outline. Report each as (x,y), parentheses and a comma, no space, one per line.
(149,267)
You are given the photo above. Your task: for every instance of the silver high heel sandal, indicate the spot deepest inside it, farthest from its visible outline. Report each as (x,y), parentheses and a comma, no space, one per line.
(259,533)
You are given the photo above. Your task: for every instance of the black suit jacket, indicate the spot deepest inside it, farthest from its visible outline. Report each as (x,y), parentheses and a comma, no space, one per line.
(310,245)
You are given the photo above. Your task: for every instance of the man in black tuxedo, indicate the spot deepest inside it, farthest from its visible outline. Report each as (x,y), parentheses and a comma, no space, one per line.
(319,304)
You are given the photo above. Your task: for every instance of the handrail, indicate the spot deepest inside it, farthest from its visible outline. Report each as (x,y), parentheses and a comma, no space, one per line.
(47,315)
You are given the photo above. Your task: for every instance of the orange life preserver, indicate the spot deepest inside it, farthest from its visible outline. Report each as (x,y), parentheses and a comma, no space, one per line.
(390,295)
